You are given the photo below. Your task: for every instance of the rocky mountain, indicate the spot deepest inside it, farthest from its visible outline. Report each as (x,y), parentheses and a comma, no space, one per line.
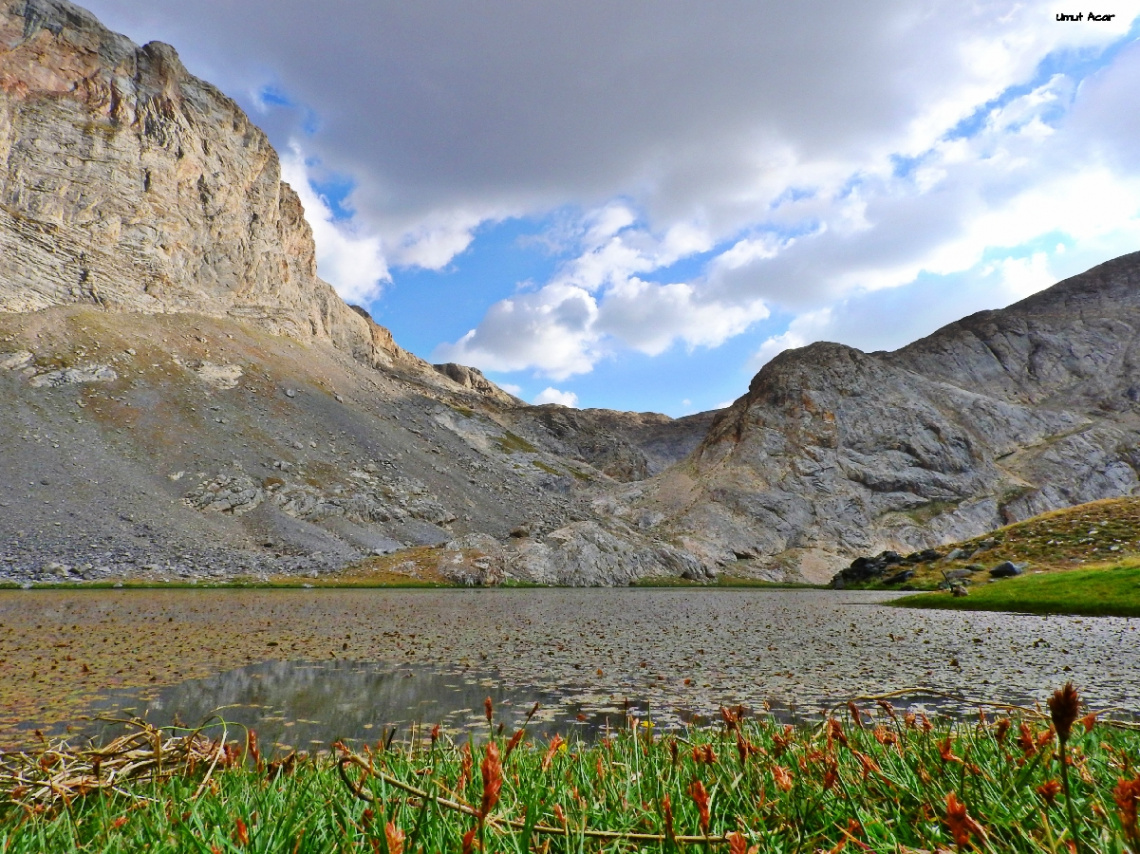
(182,396)
(992,419)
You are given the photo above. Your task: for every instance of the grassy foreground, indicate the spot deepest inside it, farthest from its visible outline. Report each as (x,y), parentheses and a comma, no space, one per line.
(894,782)
(1100,592)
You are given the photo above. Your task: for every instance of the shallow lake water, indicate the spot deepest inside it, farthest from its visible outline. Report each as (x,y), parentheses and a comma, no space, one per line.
(308,666)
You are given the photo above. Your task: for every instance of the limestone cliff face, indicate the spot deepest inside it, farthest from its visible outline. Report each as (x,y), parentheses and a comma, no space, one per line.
(1002,415)
(147,245)
(129,183)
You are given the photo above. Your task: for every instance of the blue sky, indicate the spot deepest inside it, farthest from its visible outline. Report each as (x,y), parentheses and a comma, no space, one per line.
(632,207)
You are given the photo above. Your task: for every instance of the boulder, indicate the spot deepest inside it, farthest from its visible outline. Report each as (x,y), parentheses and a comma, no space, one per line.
(1006,569)
(472,379)
(474,560)
(584,554)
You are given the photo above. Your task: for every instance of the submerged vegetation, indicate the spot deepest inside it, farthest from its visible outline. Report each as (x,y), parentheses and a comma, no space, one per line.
(888,781)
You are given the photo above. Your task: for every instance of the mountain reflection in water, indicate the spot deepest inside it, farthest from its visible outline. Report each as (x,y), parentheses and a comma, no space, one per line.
(308,705)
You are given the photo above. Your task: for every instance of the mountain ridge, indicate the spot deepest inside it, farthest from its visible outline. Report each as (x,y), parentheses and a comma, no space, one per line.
(1003,415)
(186,398)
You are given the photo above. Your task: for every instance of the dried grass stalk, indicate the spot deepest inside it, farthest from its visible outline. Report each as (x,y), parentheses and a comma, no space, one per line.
(57,772)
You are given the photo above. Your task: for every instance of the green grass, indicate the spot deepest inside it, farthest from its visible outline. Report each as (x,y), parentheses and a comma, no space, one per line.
(1101,592)
(925,512)
(465,411)
(510,442)
(1093,535)
(884,785)
(539,464)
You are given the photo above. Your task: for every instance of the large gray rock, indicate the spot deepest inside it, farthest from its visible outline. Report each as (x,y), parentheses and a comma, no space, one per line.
(473,379)
(584,554)
(474,560)
(161,319)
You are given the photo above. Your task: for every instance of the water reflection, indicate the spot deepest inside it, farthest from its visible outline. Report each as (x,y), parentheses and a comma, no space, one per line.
(310,704)
(578,652)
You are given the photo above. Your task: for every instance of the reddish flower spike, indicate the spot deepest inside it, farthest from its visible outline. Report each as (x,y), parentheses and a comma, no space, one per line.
(1049,790)
(962,826)
(701,798)
(492,769)
(395,838)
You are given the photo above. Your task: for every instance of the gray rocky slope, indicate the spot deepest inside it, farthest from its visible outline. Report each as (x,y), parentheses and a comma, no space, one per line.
(183,396)
(992,419)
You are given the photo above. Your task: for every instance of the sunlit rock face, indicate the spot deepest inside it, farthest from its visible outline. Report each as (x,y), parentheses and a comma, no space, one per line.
(131,184)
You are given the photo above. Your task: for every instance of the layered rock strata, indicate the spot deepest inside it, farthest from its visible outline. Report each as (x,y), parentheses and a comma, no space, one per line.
(182,393)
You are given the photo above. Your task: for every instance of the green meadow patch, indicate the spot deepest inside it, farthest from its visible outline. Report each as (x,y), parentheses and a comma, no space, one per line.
(1100,592)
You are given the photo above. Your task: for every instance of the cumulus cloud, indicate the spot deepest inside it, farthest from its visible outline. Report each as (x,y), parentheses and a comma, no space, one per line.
(553,395)
(597,305)
(352,263)
(1038,174)
(649,317)
(865,319)
(550,330)
(436,108)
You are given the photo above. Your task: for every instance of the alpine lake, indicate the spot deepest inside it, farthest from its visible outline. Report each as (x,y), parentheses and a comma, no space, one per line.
(306,666)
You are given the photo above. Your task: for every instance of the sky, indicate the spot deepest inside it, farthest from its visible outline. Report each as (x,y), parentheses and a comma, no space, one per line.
(636,205)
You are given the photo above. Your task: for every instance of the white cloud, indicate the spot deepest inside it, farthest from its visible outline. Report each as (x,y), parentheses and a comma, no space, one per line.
(597,304)
(553,395)
(1022,277)
(549,330)
(649,317)
(351,262)
(433,243)
(564,329)
(511,388)
(777,344)
(436,109)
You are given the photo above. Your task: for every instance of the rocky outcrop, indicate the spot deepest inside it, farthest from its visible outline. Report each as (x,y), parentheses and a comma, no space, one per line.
(154,274)
(627,446)
(473,379)
(179,384)
(128,183)
(585,554)
(475,560)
